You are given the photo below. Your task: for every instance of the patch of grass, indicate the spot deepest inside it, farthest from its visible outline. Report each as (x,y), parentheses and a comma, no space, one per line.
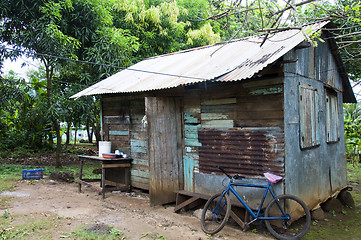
(10,173)
(35,226)
(345,225)
(336,228)
(87,170)
(354,173)
(81,234)
(151,236)
(16,152)
(5,200)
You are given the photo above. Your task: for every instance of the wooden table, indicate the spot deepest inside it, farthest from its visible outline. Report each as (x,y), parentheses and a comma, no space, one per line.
(115,174)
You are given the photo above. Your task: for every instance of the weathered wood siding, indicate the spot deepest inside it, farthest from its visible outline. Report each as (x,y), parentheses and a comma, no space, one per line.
(221,122)
(314,171)
(165,148)
(124,125)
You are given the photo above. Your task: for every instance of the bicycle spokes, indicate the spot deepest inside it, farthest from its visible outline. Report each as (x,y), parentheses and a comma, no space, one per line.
(294,218)
(215,214)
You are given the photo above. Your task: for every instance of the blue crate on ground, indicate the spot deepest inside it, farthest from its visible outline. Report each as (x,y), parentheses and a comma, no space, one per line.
(32,174)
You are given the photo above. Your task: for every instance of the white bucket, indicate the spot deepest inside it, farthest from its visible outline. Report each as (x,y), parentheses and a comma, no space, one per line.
(104,147)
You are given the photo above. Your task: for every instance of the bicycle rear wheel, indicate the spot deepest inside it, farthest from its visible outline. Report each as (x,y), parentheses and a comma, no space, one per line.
(215,213)
(298,224)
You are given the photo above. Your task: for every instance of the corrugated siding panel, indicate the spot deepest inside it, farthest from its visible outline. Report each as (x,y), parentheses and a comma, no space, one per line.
(249,152)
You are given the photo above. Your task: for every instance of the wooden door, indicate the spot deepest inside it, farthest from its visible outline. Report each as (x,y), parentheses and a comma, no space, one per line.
(165,148)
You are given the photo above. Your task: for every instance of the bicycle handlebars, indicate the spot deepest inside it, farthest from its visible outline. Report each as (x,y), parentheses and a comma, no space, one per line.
(230,177)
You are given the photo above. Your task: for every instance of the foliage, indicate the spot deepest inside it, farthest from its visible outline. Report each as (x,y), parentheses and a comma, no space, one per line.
(22,113)
(347,17)
(160,26)
(80,42)
(354,173)
(352,115)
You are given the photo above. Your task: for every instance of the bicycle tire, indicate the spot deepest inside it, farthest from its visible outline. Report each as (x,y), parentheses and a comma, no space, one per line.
(292,229)
(214,216)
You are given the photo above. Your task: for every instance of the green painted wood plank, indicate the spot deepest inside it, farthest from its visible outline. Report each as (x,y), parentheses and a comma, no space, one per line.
(266,91)
(214,116)
(190,135)
(218,124)
(192,142)
(188,118)
(139,173)
(119,133)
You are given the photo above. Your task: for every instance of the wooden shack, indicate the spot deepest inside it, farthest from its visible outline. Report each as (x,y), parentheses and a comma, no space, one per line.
(248,108)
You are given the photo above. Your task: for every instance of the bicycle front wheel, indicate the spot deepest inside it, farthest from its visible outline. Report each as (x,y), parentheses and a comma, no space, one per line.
(299,218)
(215,213)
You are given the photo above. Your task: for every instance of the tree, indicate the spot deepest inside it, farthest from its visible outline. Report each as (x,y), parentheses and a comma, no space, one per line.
(161,27)
(243,18)
(347,17)
(23,112)
(54,28)
(352,117)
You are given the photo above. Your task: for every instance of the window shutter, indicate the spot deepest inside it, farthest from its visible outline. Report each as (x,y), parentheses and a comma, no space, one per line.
(308,108)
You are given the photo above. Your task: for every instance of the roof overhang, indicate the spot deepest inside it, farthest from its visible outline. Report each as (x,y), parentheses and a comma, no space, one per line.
(230,61)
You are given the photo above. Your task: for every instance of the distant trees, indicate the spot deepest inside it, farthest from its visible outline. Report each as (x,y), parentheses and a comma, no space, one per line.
(80,42)
(23,111)
(352,117)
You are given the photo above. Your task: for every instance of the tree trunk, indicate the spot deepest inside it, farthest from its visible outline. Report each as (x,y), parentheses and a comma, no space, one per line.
(49,77)
(50,140)
(96,133)
(58,144)
(76,130)
(90,134)
(67,134)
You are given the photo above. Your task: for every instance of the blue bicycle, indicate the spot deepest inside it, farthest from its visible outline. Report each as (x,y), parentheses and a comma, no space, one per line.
(286,217)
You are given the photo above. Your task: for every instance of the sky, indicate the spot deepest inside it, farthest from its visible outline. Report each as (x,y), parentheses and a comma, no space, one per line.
(17,67)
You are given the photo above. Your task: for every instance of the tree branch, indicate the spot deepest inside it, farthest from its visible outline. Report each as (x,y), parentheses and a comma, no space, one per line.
(289,7)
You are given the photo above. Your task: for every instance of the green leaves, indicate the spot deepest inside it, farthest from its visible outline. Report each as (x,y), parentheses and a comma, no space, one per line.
(203,35)
(352,115)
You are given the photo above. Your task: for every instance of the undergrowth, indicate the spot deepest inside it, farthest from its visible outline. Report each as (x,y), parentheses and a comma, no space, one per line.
(346,224)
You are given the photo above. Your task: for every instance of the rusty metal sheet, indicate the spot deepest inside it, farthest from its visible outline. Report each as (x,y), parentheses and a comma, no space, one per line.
(249,152)
(230,61)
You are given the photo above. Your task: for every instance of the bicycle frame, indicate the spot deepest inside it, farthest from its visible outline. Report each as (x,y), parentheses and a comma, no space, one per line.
(256,215)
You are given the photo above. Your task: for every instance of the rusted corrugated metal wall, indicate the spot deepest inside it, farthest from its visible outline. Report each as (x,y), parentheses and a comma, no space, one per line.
(249,152)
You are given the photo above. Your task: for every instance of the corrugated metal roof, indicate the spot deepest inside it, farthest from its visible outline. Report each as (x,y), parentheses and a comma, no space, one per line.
(234,61)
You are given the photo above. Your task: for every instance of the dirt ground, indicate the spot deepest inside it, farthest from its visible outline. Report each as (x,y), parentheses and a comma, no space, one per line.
(130,213)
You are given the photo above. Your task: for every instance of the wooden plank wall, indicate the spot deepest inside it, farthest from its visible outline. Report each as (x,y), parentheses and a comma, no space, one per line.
(256,104)
(192,115)
(165,148)
(124,125)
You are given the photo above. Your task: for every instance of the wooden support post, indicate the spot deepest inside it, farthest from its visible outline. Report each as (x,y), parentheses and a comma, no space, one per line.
(80,174)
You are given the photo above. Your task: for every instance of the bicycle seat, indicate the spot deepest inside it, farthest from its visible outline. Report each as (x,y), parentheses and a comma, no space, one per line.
(272,178)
